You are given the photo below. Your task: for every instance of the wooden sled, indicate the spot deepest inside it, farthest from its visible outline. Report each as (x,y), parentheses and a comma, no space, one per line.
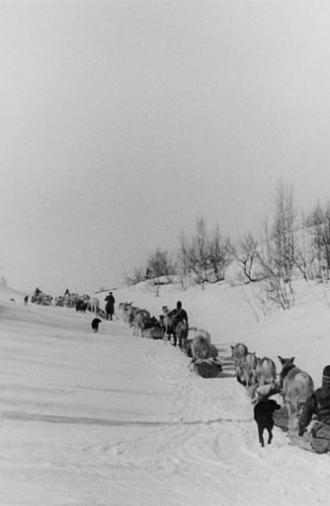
(315,440)
(208,368)
(153,333)
(281,418)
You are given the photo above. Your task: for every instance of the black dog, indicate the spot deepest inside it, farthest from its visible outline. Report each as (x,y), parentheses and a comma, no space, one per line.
(263,415)
(95,324)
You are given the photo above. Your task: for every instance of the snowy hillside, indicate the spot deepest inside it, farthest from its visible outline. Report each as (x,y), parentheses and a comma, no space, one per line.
(115,420)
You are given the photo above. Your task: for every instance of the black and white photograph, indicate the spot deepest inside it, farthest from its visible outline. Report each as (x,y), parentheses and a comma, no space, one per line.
(164,252)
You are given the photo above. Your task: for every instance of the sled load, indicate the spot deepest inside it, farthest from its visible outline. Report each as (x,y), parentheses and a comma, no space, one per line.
(153,333)
(207,368)
(316,439)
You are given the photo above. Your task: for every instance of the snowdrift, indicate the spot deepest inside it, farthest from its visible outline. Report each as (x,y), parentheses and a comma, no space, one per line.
(109,418)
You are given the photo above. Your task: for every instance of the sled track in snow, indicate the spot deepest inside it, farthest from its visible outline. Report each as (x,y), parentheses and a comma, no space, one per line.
(74,420)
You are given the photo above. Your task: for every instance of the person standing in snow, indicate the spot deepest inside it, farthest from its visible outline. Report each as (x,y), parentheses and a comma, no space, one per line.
(180,315)
(179,325)
(66,297)
(110,305)
(317,407)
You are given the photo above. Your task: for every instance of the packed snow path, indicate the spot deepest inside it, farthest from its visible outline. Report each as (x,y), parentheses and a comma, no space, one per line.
(115,420)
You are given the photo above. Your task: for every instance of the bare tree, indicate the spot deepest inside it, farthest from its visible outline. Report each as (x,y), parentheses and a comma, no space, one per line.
(198,252)
(159,264)
(137,276)
(247,255)
(182,265)
(305,254)
(318,221)
(282,237)
(220,253)
(278,255)
(318,218)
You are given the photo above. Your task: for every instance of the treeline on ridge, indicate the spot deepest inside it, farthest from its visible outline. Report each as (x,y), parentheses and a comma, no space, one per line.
(290,246)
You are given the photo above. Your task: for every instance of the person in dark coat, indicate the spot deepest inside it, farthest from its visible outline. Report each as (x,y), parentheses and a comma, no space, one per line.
(180,315)
(317,407)
(180,332)
(110,305)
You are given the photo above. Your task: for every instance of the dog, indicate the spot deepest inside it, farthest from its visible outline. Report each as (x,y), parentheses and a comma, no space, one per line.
(263,415)
(95,324)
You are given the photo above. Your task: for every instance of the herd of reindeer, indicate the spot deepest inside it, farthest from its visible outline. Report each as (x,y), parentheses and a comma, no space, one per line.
(195,342)
(259,376)
(261,380)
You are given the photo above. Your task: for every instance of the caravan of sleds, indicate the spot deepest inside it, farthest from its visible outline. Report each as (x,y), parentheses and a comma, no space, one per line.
(196,343)
(259,376)
(81,303)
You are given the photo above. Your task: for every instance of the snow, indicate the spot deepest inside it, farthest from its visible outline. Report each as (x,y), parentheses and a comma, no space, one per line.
(115,420)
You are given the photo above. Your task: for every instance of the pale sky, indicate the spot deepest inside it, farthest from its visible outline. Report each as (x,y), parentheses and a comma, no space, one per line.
(122,122)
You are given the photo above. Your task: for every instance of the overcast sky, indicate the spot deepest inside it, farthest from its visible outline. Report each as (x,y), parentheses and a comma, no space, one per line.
(122,122)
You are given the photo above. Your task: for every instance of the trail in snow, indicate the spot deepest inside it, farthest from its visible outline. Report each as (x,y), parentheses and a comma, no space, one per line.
(113,419)
(25,416)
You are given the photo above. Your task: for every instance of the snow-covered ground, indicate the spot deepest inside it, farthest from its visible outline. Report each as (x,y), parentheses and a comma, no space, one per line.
(115,420)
